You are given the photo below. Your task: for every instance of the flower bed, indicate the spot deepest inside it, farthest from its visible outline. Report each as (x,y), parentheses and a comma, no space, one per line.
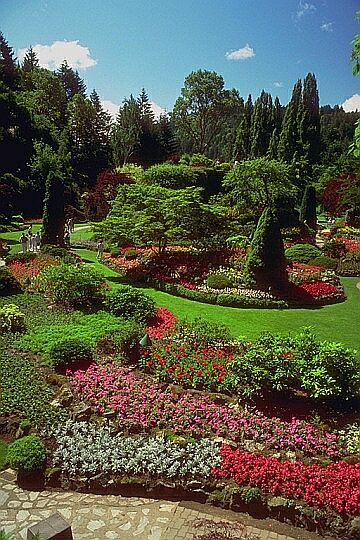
(25,271)
(161,323)
(142,405)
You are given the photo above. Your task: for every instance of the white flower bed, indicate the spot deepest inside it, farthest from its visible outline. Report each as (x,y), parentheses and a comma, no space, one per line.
(84,448)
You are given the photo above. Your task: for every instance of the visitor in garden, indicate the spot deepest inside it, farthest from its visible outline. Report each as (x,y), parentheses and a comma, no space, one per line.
(37,241)
(24,242)
(67,238)
(100,249)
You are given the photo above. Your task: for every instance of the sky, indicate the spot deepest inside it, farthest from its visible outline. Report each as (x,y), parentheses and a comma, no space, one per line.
(122,46)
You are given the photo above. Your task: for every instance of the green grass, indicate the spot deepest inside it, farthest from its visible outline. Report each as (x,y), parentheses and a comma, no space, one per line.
(337,322)
(3,454)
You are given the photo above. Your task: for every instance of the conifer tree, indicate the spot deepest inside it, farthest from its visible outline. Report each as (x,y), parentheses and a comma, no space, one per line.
(265,265)
(309,120)
(277,118)
(28,66)
(290,135)
(54,215)
(243,133)
(71,80)
(9,73)
(262,125)
(308,208)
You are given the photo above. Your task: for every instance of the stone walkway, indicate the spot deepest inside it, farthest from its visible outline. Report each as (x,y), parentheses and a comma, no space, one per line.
(112,517)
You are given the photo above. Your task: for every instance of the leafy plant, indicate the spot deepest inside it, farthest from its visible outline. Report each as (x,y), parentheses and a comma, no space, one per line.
(129,302)
(27,454)
(11,319)
(218,280)
(70,351)
(302,253)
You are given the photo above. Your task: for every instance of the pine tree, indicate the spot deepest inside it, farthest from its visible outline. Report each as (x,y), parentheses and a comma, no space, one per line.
(265,265)
(308,208)
(28,66)
(277,118)
(71,80)
(243,134)
(289,143)
(9,73)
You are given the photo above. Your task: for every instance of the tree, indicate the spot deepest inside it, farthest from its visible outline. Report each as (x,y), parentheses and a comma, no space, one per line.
(258,183)
(308,208)
(309,121)
(243,133)
(71,81)
(262,126)
(277,118)
(289,145)
(54,213)
(265,265)
(126,131)
(355,54)
(202,108)
(29,65)
(157,216)
(8,69)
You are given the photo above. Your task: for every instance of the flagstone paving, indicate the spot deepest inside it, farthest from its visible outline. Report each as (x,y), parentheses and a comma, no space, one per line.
(109,517)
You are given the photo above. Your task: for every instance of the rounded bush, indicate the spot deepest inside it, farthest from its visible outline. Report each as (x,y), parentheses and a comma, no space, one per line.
(27,454)
(130,303)
(70,351)
(11,319)
(8,284)
(123,341)
(218,281)
(324,262)
(302,253)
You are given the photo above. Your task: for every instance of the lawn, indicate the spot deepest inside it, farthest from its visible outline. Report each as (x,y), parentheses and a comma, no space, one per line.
(335,322)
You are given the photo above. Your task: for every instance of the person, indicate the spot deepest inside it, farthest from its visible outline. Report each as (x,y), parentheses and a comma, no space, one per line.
(67,238)
(37,241)
(100,249)
(29,231)
(24,242)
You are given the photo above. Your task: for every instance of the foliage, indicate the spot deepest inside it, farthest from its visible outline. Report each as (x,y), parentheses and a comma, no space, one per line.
(70,284)
(170,176)
(265,264)
(350,438)
(302,253)
(308,208)
(80,451)
(324,262)
(24,270)
(27,454)
(335,485)
(129,302)
(54,213)
(122,341)
(8,284)
(258,183)
(11,319)
(70,351)
(218,280)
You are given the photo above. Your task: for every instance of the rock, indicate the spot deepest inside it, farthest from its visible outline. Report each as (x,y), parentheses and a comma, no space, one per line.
(65,397)
(81,412)
(277,502)
(354,529)
(194,484)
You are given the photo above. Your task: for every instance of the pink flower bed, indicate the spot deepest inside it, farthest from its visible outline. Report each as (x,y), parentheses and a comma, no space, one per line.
(142,405)
(337,485)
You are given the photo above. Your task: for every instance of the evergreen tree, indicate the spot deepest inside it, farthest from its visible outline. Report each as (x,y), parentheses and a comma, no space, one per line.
(265,265)
(308,208)
(289,145)
(262,126)
(309,120)
(166,136)
(126,131)
(243,133)
(71,80)
(54,214)
(28,66)
(277,118)
(9,73)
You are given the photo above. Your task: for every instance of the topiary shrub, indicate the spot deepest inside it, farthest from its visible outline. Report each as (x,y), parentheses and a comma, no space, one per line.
(130,303)
(302,253)
(11,319)
(27,454)
(324,262)
(74,284)
(70,351)
(218,281)
(8,284)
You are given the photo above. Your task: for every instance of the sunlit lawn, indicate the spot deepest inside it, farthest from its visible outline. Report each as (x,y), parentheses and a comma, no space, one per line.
(337,322)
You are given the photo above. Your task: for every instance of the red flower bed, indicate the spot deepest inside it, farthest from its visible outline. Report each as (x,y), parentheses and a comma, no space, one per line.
(350,245)
(25,271)
(318,289)
(162,322)
(336,485)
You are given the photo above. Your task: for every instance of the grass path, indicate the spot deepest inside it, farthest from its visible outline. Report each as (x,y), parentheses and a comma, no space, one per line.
(337,322)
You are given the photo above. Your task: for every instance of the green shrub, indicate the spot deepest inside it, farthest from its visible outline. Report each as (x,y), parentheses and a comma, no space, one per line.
(202,332)
(131,303)
(123,341)
(130,254)
(74,285)
(334,248)
(11,319)
(70,351)
(325,262)
(218,281)
(21,257)
(170,176)
(27,454)
(60,253)
(302,253)
(115,252)
(200,160)
(8,284)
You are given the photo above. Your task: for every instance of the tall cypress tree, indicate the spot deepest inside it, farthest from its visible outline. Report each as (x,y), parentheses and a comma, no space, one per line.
(243,133)
(277,118)
(308,208)
(265,265)
(9,73)
(289,143)
(262,125)
(54,214)
(309,120)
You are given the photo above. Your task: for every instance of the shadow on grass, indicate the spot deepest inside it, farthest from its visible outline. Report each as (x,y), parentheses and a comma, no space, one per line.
(118,279)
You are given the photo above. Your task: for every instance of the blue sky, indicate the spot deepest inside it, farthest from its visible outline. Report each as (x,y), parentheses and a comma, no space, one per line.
(121,46)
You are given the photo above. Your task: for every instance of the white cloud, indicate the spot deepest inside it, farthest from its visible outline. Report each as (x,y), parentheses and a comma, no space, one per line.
(278,84)
(352,103)
(52,56)
(327,27)
(241,54)
(304,8)
(113,108)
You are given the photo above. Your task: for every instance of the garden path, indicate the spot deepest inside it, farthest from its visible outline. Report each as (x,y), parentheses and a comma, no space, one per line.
(110,517)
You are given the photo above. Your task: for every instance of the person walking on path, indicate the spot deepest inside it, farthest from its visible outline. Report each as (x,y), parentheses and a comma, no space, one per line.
(37,241)
(24,239)
(100,249)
